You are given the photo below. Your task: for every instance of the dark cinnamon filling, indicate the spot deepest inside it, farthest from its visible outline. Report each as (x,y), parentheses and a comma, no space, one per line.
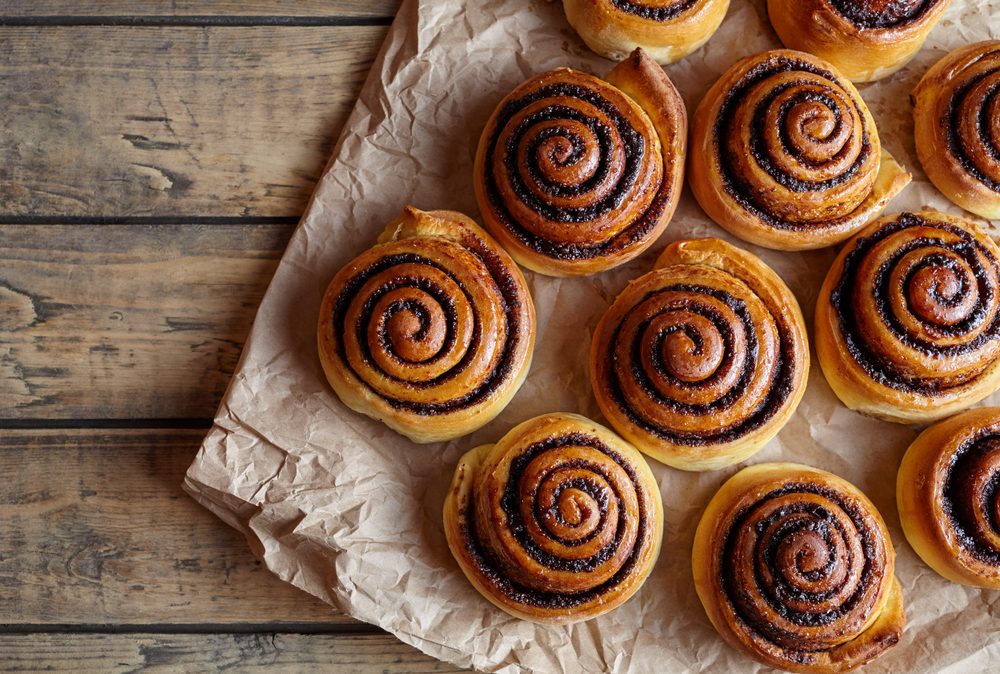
(958,491)
(841,300)
(779,392)
(731,179)
(883,13)
(588,487)
(446,303)
(578,145)
(819,520)
(763,159)
(634,146)
(513,306)
(983,127)
(655,13)
(975,318)
(491,569)
(664,372)
(635,150)
(727,337)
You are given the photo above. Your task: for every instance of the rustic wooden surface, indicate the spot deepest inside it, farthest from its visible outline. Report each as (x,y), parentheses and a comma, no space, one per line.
(150,327)
(154,158)
(170,120)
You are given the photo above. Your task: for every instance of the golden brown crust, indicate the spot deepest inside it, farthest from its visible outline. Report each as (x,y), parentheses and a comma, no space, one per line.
(431,330)
(722,357)
(667,30)
(956,114)
(785,154)
(866,40)
(559,522)
(908,319)
(948,499)
(794,565)
(624,143)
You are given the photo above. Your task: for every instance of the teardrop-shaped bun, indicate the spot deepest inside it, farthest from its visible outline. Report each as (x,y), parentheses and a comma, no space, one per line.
(558,522)
(785,154)
(794,565)
(576,174)
(431,330)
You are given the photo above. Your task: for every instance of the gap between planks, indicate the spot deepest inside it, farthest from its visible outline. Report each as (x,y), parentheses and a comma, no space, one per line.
(148,220)
(273,627)
(189,21)
(200,8)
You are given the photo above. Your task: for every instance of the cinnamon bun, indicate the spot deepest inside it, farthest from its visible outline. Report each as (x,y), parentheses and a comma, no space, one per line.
(956,114)
(431,330)
(785,154)
(701,361)
(668,30)
(794,565)
(866,40)
(948,496)
(575,174)
(558,522)
(908,319)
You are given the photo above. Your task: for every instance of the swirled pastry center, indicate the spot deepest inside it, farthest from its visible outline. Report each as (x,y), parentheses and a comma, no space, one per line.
(430,328)
(570,173)
(793,145)
(696,364)
(802,567)
(919,305)
(972,496)
(563,526)
(972,120)
(883,13)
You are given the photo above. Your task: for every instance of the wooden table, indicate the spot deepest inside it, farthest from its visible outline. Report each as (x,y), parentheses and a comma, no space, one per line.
(155,156)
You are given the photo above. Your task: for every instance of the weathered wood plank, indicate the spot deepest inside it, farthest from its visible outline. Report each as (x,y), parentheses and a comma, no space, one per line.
(312,8)
(96,530)
(273,654)
(137,321)
(206,121)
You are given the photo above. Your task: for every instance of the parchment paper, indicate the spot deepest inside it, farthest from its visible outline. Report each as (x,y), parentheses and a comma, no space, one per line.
(350,512)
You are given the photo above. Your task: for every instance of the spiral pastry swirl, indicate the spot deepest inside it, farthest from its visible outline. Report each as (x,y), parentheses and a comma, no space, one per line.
(668,30)
(786,154)
(795,566)
(908,320)
(956,117)
(430,331)
(558,522)
(866,40)
(575,174)
(948,491)
(701,361)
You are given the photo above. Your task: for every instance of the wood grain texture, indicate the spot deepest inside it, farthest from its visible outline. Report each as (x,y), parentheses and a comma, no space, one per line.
(115,321)
(202,121)
(250,653)
(96,530)
(313,8)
